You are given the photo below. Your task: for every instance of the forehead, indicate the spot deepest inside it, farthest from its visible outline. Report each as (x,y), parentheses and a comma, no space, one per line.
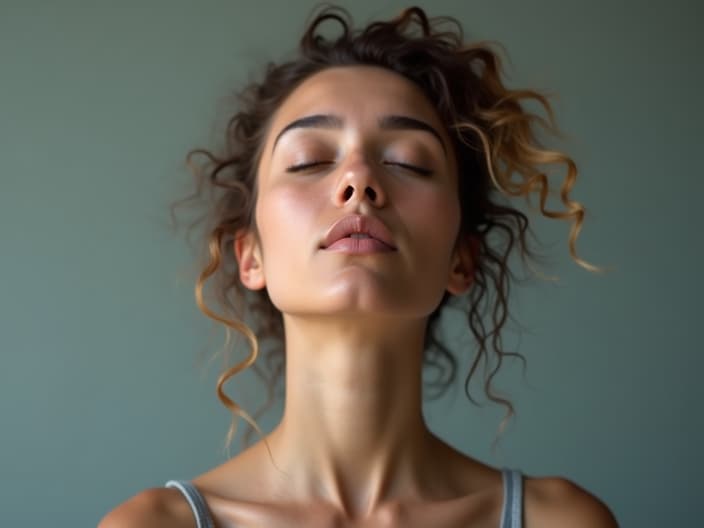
(358,94)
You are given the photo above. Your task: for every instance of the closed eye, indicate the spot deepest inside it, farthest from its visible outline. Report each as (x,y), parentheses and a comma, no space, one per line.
(304,166)
(414,168)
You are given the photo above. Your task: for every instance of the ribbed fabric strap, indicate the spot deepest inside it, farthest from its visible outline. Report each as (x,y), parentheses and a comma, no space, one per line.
(512,511)
(196,501)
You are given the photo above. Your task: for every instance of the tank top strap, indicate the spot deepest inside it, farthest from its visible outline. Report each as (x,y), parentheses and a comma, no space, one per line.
(512,510)
(195,500)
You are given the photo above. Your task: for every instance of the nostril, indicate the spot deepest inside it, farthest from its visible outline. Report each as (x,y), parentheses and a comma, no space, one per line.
(350,190)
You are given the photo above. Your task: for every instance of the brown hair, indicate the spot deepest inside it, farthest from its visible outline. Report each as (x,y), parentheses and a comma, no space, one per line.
(498,155)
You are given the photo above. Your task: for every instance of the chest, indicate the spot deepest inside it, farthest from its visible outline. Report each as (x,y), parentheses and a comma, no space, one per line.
(474,512)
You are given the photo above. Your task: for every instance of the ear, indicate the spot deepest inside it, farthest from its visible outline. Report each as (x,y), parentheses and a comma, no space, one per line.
(249,260)
(463,266)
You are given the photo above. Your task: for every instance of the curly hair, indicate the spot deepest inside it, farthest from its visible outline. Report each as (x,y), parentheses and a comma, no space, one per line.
(498,154)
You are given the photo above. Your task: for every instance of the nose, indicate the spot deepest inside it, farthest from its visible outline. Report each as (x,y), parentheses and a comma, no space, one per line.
(359,182)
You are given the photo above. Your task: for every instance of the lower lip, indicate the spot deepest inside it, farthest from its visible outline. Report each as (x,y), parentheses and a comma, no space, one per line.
(359,245)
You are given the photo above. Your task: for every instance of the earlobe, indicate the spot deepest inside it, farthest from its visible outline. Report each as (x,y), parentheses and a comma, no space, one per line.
(463,265)
(249,261)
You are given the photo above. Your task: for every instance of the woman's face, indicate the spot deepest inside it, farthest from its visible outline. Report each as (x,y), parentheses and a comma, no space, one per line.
(355,172)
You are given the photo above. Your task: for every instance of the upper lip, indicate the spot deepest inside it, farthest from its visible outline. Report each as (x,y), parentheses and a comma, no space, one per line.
(355,223)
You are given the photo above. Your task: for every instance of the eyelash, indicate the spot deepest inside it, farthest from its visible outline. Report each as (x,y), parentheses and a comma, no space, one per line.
(303,166)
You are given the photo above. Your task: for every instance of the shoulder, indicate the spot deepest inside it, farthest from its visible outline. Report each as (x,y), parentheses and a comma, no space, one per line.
(153,508)
(556,502)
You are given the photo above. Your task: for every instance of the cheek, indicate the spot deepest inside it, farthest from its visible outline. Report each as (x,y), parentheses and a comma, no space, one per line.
(286,219)
(431,220)
(433,217)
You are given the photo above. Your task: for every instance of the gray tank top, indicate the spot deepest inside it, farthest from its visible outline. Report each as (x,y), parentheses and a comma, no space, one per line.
(511,511)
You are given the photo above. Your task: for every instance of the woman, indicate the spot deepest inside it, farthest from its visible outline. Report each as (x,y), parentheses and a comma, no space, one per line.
(356,198)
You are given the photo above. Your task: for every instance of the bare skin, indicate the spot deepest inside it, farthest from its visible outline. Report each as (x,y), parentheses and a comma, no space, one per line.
(352,448)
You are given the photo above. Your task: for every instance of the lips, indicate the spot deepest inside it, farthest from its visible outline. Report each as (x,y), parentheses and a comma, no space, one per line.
(349,224)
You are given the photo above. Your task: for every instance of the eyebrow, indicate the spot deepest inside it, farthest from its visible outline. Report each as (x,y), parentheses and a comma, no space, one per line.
(387,122)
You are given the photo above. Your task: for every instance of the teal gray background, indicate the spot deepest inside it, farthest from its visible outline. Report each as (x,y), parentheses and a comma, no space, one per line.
(105,387)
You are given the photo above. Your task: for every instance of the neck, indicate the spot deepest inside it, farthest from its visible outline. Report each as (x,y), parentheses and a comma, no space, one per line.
(353,414)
